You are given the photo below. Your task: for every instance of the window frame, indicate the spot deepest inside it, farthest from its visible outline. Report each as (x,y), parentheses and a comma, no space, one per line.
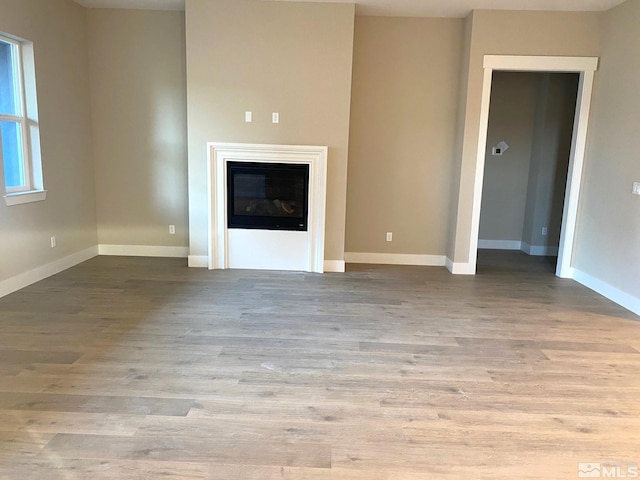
(21,118)
(32,189)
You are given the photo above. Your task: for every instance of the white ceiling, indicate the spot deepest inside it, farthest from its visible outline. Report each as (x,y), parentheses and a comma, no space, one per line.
(408,8)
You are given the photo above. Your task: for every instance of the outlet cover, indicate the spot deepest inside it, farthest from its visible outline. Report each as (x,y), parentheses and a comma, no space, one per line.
(389,236)
(636,188)
(172,229)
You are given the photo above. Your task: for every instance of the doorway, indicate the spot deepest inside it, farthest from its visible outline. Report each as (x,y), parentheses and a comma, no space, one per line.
(530,128)
(585,67)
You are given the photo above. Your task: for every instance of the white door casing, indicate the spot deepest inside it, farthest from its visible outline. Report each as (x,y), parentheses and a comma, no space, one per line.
(586,67)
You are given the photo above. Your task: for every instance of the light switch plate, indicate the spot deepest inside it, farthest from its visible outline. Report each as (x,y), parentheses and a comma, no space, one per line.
(636,188)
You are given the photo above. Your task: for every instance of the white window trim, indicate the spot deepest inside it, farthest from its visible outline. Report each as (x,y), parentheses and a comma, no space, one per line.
(19,198)
(32,190)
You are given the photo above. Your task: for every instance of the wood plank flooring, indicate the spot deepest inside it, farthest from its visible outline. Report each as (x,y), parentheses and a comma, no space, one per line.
(140,368)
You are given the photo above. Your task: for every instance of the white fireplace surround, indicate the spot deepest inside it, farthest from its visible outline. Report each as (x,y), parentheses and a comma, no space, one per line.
(221,153)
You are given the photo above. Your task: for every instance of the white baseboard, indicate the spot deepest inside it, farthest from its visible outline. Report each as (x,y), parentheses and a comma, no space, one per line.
(623,299)
(143,251)
(25,279)
(395,259)
(459,268)
(198,261)
(539,250)
(334,266)
(202,261)
(448,263)
(534,250)
(500,244)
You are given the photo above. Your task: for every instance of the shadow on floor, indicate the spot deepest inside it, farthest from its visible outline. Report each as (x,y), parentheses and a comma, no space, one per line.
(493,261)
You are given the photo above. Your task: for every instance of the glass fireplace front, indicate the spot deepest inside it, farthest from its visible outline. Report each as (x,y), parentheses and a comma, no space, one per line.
(270,196)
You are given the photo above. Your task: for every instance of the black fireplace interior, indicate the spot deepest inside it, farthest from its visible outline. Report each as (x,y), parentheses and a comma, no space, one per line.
(269,196)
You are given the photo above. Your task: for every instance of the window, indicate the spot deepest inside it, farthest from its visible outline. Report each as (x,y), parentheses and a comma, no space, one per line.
(19,134)
(12,122)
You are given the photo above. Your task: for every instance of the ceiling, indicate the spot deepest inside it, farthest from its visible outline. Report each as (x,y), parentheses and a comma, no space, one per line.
(408,8)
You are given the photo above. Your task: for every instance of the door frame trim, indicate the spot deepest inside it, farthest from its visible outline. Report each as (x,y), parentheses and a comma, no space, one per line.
(586,67)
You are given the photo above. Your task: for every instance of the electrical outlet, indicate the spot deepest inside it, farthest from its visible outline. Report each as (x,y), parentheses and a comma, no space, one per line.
(275,117)
(53,242)
(636,188)
(248,117)
(545,231)
(172,229)
(389,236)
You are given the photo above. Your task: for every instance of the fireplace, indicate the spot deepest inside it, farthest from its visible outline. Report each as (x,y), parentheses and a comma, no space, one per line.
(274,218)
(269,196)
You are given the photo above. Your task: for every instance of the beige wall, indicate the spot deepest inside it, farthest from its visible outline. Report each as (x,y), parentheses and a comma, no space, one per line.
(138,100)
(291,58)
(608,226)
(463,88)
(552,135)
(510,33)
(58,30)
(401,145)
(514,97)
(524,189)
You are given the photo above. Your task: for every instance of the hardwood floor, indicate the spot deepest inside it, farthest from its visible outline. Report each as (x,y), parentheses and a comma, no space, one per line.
(140,368)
